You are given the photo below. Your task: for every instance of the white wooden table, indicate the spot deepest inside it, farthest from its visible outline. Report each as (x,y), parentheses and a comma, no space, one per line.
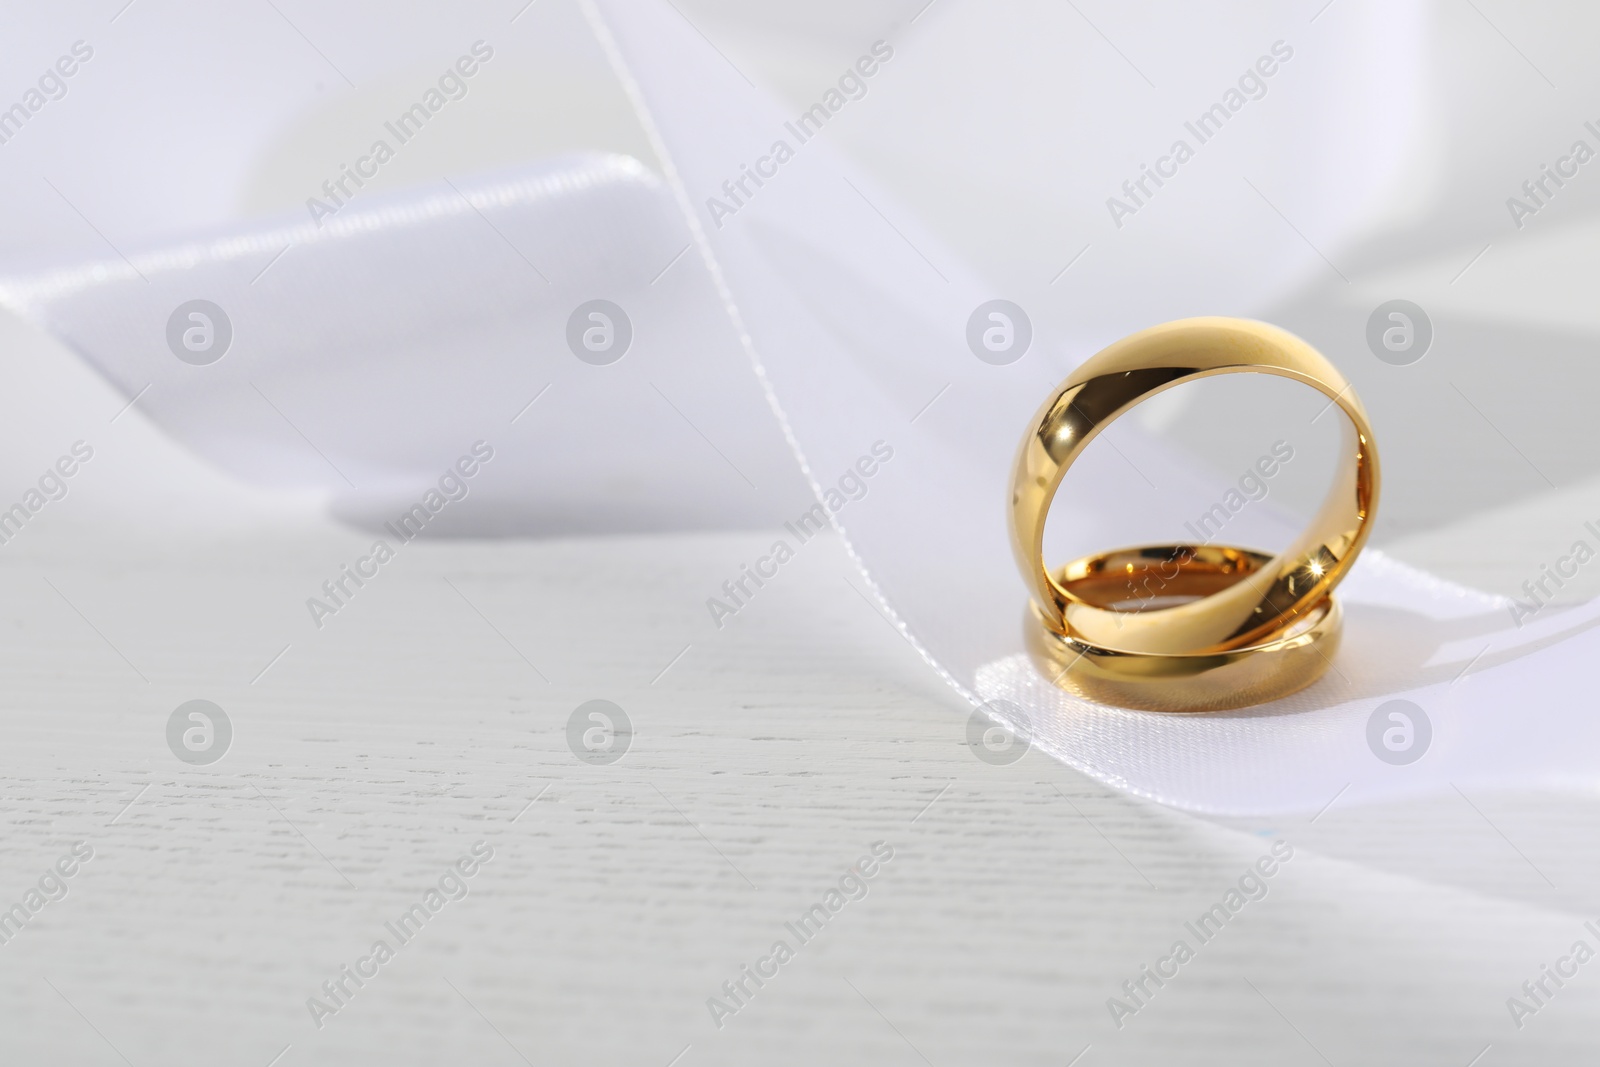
(768,757)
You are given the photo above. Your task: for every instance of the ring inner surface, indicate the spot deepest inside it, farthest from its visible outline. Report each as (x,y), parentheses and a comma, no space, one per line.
(1154,577)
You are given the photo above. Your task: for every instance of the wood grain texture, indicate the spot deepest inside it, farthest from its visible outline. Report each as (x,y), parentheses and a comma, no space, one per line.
(767,758)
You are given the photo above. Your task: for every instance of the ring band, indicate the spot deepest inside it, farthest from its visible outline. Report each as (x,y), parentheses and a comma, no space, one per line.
(1270,599)
(1288,661)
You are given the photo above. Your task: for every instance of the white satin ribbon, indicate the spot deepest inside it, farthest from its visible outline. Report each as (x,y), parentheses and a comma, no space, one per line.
(415,322)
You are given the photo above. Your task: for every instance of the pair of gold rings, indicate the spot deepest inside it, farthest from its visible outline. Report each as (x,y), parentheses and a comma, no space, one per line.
(1222,627)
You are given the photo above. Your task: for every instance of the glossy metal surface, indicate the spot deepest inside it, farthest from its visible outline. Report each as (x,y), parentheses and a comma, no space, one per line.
(1271,599)
(1289,660)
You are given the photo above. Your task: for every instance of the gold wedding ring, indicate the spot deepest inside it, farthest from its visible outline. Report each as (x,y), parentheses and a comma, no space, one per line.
(1285,662)
(1226,627)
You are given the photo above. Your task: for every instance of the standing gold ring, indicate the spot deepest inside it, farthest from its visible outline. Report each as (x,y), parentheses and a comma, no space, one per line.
(1266,602)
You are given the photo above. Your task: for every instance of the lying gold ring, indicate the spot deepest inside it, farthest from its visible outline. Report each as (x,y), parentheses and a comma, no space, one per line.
(1286,662)
(1273,598)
